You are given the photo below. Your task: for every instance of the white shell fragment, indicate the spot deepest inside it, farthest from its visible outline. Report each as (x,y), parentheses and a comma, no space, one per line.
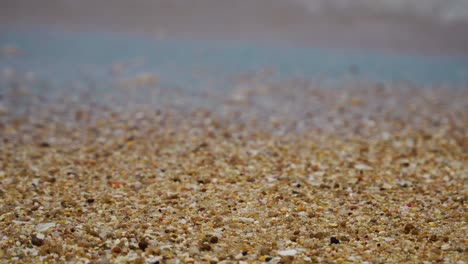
(287,252)
(361,166)
(44,227)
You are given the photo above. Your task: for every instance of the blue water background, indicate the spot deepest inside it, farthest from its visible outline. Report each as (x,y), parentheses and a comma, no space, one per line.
(190,64)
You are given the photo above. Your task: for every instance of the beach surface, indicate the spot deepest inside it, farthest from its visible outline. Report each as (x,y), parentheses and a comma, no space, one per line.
(287,132)
(259,175)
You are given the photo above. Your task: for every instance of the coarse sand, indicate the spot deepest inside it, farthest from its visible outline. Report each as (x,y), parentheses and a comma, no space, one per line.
(259,174)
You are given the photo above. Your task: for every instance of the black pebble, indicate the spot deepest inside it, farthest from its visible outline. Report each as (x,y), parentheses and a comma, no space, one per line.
(143,244)
(44,144)
(90,200)
(214,239)
(36,241)
(334,240)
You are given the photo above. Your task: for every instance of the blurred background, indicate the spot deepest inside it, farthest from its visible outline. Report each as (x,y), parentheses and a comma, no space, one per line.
(418,25)
(188,43)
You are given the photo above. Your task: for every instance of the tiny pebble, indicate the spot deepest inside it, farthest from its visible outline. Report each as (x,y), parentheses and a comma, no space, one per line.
(247,219)
(287,252)
(334,240)
(214,239)
(143,244)
(205,246)
(45,144)
(36,241)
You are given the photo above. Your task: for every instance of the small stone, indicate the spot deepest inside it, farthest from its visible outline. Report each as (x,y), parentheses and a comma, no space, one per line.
(189,260)
(44,144)
(214,239)
(90,200)
(116,250)
(445,247)
(143,244)
(344,238)
(205,246)
(409,228)
(193,250)
(36,241)
(238,256)
(334,240)
(246,219)
(287,252)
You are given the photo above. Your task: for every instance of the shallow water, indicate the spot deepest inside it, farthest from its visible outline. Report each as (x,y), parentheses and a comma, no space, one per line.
(58,56)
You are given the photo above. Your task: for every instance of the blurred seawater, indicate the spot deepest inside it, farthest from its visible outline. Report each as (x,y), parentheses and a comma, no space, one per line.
(193,64)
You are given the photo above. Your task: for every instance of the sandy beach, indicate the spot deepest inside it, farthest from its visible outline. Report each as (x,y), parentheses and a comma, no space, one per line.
(147,132)
(259,175)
